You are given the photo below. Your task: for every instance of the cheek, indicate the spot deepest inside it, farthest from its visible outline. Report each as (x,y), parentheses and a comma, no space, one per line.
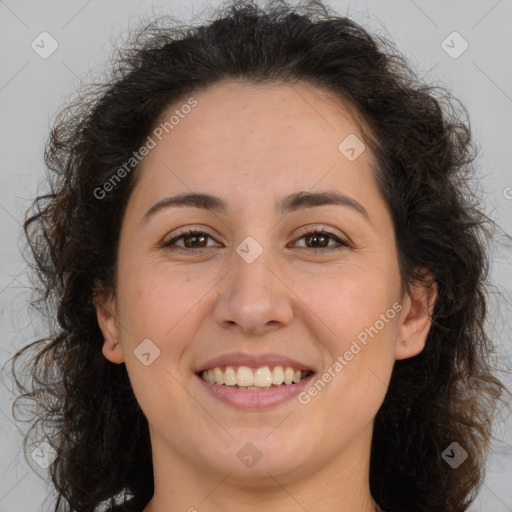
(155,298)
(357,328)
(347,299)
(357,331)
(155,306)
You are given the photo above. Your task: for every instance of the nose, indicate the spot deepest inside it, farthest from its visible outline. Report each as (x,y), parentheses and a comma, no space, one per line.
(254,297)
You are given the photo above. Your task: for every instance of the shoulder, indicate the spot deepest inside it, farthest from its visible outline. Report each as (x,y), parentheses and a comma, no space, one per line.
(127,506)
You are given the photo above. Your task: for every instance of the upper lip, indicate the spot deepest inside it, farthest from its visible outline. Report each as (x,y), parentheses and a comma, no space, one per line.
(254,361)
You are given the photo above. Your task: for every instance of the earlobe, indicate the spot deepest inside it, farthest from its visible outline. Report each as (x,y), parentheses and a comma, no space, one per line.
(107,321)
(416,319)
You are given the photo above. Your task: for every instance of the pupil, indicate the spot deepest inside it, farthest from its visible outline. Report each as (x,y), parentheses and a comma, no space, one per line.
(194,237)
(316,237)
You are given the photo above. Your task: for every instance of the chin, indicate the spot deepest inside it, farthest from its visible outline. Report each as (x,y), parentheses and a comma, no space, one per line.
(253,457)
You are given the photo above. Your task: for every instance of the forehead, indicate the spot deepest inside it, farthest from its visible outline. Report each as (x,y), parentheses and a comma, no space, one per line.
(302,113)
(253,137)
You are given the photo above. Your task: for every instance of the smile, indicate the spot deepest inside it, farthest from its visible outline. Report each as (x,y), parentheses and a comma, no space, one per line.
(253,379)
(253,389)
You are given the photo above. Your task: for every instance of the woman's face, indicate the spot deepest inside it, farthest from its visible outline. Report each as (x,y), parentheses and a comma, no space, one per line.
(255,292)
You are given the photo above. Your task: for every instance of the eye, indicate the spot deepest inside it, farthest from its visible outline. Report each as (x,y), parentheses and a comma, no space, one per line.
(191,240)
(318,238)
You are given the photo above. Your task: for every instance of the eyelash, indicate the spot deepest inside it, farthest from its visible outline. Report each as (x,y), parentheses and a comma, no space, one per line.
(343,243)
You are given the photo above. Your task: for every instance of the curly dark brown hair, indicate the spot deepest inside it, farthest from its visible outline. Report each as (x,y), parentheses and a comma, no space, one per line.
(420,136)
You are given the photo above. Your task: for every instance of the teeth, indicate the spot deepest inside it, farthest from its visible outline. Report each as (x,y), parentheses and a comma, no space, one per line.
(218,375)
(249,379)
(288,375)
(229,376)
(263,377)
(244,376)
(278,375)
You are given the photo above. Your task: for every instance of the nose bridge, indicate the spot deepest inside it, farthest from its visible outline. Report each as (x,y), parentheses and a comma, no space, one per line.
(253,296)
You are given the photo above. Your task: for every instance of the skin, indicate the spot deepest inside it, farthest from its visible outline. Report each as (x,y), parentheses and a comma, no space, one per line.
(251,145)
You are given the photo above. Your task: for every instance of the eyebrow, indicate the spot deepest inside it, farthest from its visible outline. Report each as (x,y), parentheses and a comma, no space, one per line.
(294,202)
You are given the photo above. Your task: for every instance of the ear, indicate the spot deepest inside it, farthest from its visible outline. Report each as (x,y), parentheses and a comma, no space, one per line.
(106,313)
(415,318)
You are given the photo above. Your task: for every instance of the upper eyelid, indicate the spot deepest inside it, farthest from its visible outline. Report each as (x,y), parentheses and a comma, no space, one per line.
(302,230)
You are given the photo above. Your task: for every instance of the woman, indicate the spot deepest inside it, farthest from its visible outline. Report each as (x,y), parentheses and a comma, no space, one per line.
(268,271)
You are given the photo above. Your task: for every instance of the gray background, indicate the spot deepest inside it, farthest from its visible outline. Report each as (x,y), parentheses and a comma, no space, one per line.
(32,90)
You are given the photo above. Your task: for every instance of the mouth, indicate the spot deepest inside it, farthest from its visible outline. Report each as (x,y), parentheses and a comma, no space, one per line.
(254,379)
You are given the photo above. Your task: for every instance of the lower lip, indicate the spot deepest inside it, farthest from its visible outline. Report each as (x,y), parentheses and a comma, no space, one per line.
(249,399)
